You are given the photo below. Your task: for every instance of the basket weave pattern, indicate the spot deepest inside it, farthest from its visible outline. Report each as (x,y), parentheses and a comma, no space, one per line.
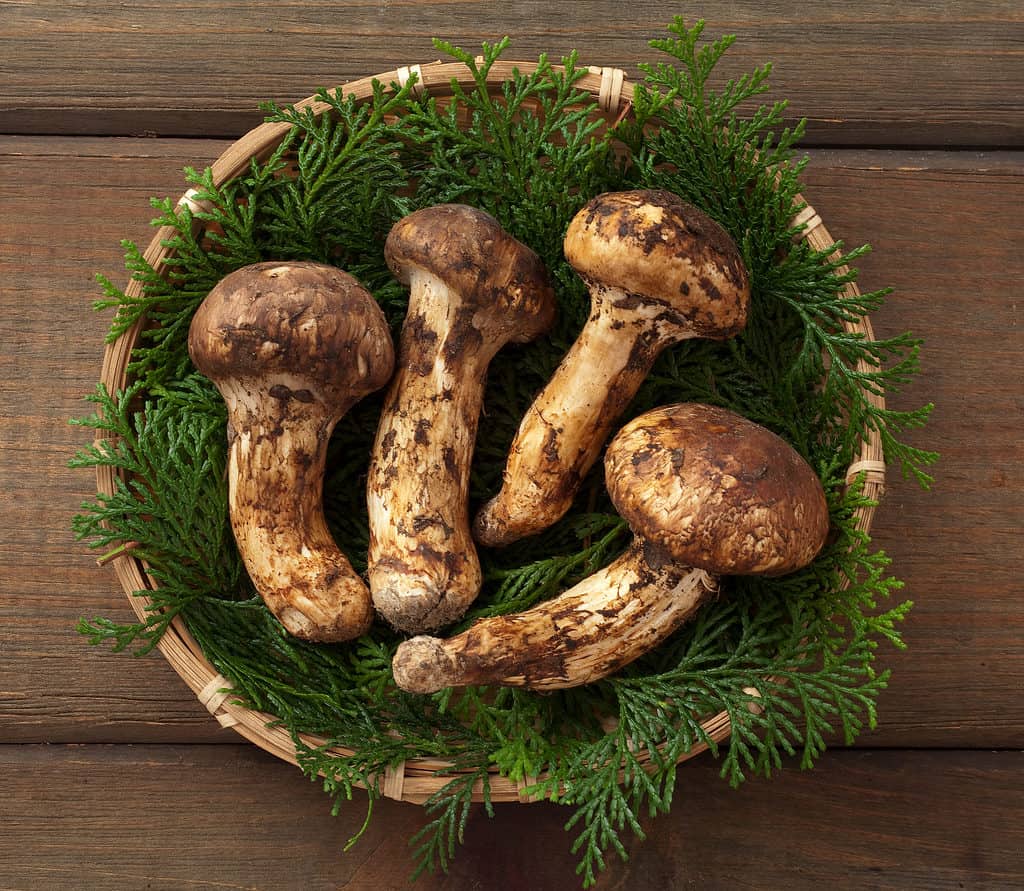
(414,780)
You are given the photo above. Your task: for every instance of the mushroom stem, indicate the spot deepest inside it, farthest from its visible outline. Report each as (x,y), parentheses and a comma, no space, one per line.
(590,631)
(423,566)
(275,478)
(472,289)
(564,430)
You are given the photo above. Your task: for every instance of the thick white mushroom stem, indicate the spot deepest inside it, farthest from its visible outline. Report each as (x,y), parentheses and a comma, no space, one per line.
(276,463)
(291,347)
(423,567)
(472,289)
(589,632)
(562,433)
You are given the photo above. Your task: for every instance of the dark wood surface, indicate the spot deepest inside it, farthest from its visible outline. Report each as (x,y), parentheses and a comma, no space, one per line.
(866,73)
(173,817)
(108,780)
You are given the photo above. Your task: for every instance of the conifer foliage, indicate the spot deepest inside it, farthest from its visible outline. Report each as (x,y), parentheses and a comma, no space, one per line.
(803,647)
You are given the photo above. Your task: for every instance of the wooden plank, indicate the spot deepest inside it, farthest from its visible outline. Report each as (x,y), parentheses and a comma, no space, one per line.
(99,817)
(917,73)
(949,242)
(944,227)
(55,234)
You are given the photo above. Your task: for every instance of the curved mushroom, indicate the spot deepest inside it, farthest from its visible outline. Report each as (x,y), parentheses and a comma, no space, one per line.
(473,288)
(706,493)
(291,347)
(659,271)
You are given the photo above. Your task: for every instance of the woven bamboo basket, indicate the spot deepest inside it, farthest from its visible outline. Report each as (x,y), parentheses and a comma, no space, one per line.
(417,779)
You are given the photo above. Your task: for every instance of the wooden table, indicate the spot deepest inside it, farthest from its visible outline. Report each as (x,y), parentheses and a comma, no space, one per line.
(113,775)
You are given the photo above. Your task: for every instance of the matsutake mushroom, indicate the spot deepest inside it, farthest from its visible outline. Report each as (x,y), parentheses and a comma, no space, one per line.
(659,271)
(473,288)
(291,347)
(706,493)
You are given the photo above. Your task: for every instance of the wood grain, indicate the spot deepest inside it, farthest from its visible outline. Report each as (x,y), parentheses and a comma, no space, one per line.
(950,245)
(56,232)
(169,817)
(917,73)
(944,227)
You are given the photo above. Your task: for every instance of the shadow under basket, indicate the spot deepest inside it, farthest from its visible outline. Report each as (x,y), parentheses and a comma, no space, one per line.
(416,779)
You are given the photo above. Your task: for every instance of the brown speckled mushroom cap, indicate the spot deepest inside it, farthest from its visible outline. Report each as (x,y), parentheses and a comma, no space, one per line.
(473,256)
(656,248)
(717,491)
(308,329)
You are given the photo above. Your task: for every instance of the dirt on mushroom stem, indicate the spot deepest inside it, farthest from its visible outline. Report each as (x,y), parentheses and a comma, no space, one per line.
(275,480)
(565,428)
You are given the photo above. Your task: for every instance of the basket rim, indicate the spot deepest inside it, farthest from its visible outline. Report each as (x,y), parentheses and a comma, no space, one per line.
(414,780)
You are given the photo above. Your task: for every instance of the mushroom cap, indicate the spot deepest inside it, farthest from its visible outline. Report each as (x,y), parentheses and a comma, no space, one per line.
(659,250)
(717,491)
(309,328)
(473,256)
